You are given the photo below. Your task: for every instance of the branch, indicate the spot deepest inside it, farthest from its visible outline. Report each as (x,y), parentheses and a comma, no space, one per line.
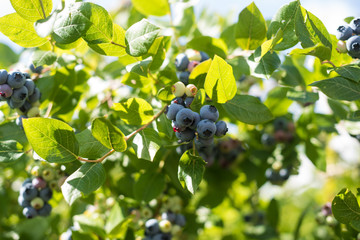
(126,138)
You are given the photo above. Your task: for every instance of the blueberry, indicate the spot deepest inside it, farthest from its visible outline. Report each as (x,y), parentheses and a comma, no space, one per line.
(178,89)
(35,96)
(206,128)
(29,212)
(46,194)
(152,227)
(192,65)
(193,55)
(191,90)
(165,226)
(16,79)
(172,111)
(221,128)
(188,101)
(3,76)
(186,136)
(209,112)
(12,104)
(30,85)
(268,140)
(181,62)
(162,236)
(38,182)
(353,46)
(45,210)
(37,69)
(20,94)
(280,123)
(355,25)
(5,91)
(176,127)
(196,121)
(168,216)
(284,174)
(180,220)
(27,75)
(33,112)
(185,117)
(28,192)
(25,107)
(204,56)
(19,119)
(183,77)
(22,202)
(178,100)
(28,180)
(37,203)
(344,32)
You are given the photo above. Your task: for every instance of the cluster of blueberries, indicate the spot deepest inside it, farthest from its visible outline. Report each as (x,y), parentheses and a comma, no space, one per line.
(325,216)
(349,33)
(36,192)
(284,132)
(163,228)
(20,92)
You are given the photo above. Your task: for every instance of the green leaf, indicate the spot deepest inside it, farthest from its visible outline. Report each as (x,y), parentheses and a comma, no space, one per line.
(271,43)
(32,10)
(10,151)
(314,150)
(267,64)
(345,207)
(277,102)
(220,83)
(284,20)
(339,88)
(108,134)
(86,180)
(51,139)
(191,170)
(164,126)
(302,96)
(89,225)
(292,77)
(212,46)
(11,56)
(113,47)
(250,30)
(310,30)
(146,143)
(152,7)
(320,51)
(115,218)
(339,109)
(149,186)
(134,111)
(11,131)
(43,58)
(165,94)
(272,213)
(20,31)
(140,68)
(198,74)
(139,37)
(198,101)
(350,71)
(90,147)
(247,109)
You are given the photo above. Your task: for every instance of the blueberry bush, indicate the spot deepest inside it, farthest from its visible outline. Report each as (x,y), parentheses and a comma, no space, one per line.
(152,122)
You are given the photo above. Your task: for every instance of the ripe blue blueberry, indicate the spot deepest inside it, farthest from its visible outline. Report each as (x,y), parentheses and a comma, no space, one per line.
(201,142)
(180,220)
(284,174)
(176,127)
(151,227)
(344,32)
(355,25)
(25,107)
(172,111)
(28,192)
(20,94)
(267,140)
(221,128)
(16,79)
(162,236)
(353,46)
(209,112)
(35,96)
(185,117)
(12,104)
(196,121)
(186,136)
(28,180)
(30,85)
(27,75)
(183,77)
(170,216)
(5,91)
(178,100)
(22,202)
(45,210)
(280,123)
(3,76)
(29,212)
(206,128)
(181,62)
(204,56)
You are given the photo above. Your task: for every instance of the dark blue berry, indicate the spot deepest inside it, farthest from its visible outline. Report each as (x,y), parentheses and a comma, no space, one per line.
(183,77)
(204,56)
(221,128)
(29,212)
(3,76)
(28,192)
(180,220)
(172,111)
(209,112)
(188,101)
(22,202)
(355,25)
(36,69)
(181,62)
(45,210)
(170,216)
(185,117)
(46,194)
(20,94)
(152,227)
(344,33)
(186,136)
(16,79)
(196,121)
(206,129)
(178,100)
(353,46)
(35,96)
(30,85)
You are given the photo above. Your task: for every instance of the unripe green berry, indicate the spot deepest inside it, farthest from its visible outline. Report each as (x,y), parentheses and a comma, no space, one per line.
(341,47)
(35,171)
(37,203)
(33,112)
(178,89)
(191,90)
(165,226)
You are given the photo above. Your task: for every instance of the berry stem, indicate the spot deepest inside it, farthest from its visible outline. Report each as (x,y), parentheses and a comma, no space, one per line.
(126,138)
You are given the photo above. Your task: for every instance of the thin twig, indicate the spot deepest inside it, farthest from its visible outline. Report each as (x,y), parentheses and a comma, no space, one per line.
(117,44)
(329,62)
(97,160)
